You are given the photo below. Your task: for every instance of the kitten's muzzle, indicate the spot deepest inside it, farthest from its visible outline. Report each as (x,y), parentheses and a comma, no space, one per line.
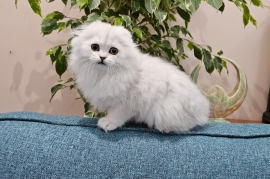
(102,59)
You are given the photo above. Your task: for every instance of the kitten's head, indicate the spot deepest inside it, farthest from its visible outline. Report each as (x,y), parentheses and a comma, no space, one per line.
(101,46)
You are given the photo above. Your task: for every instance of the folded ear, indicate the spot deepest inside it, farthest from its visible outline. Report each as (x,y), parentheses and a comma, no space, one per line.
(126,36)
(76,31)
(125,32)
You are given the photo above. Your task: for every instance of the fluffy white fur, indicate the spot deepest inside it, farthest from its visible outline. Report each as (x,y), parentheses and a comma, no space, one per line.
(132,84)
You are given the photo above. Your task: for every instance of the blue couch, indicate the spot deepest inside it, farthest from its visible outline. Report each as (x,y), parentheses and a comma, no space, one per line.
(34,145)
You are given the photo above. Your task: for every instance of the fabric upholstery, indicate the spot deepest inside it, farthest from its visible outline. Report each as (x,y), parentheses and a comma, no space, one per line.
(34,145)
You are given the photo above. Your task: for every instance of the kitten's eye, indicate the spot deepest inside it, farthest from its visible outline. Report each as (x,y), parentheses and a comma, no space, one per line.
(113,51)
(95,47)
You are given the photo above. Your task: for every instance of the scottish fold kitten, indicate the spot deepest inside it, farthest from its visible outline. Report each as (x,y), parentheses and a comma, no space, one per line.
(116,77)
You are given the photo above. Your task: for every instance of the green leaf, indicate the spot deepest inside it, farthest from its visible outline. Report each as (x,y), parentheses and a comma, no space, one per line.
(166,26)
(218,64)
(166,43)
(75,24)
(162,28)
(190,45)
(168,53)
(135,6)
(252,20)
(161,15)
(207,60)
(197,52)
(138,33)
(212,68)
(111,12)
(87,11)
(48,25)
(53,58)
(69,22)
(171,17)
(210,48)
(246,14)
(221,9)
(150,6)
(64,1)
(83,18)
(192,5)
(256,2)
(69,80)
(35,5)
(180,46)
(181,68)
(220,52)
(16,2)
(55,15)
(54,90)
(183,14)
(224,64)
(157,30)
(182,5)
(118,21)
(184,31)
(175,31)
(126,19)
(73,3)
(92,18)
(156,38)
(93,4)
(71,87)
(86,107)
(54,50)
(104,16)
(61,26)
(215,3)
(167,4)
(61,65)
(89,114)
(100,114)
(103,6)
(69,44)
(186,24)
(55,54)
(117,4)
(157,2)
(82,3)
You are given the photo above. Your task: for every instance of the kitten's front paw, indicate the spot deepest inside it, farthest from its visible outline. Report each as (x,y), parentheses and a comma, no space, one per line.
(162,129)
(105,124)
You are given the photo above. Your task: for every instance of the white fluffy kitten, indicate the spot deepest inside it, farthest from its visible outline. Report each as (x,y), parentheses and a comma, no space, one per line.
(116,77)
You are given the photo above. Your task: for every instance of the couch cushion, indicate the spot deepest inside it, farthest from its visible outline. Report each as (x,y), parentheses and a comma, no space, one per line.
(34,145)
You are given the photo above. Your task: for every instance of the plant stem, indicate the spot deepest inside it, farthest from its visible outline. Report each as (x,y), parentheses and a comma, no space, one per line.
(111,4)
(73,18)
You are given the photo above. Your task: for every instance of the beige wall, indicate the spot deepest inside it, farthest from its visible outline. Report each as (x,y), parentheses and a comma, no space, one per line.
(26,75)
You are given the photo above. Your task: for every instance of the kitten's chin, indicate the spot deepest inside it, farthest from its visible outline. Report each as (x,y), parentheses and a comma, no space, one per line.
(101,66)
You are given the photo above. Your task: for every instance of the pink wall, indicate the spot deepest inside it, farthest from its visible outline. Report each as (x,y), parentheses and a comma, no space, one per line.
(26,75)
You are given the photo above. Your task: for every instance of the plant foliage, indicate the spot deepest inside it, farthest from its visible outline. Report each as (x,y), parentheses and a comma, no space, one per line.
(149,23)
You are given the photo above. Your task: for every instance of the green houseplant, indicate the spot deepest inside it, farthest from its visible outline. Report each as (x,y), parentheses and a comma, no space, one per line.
(148,21)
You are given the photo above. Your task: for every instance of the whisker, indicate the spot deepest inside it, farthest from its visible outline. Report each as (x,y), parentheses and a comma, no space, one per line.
(113,70)
(83,60)
(90,67)
(84,67)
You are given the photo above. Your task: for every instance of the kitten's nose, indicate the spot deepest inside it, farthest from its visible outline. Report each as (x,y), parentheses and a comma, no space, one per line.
(102,58)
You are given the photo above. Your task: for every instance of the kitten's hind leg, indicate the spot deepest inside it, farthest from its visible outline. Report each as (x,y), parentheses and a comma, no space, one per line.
(115,118)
